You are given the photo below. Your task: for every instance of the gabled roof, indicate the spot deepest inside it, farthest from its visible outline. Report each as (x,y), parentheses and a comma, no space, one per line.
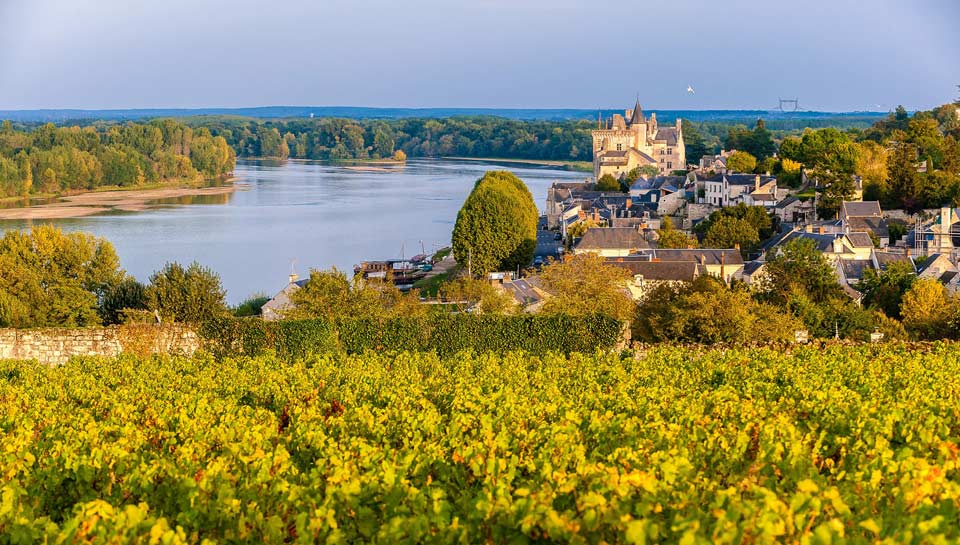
(753,266)
(613,238)
(860,240)
(787,202)
(876,225)
(706,255)
(865,209)
(948,276)
(885,259)
(853,269)
(667,271)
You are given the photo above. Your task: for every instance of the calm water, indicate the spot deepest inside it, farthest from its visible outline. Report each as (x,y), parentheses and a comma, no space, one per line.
(312,214)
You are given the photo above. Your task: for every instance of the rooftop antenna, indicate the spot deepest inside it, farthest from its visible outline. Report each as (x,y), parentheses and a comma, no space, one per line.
(293,270)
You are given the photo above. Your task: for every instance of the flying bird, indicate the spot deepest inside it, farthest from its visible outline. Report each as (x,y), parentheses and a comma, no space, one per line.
(690,90)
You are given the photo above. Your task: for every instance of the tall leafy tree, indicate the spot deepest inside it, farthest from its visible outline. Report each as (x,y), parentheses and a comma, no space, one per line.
(496,228)
(191,294)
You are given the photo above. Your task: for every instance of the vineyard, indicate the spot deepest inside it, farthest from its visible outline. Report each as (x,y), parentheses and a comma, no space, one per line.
(674,445)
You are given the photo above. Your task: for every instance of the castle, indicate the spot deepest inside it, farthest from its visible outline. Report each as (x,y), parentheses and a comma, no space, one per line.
(631,141)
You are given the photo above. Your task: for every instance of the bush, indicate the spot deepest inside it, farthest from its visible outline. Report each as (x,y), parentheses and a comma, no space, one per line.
(445,334)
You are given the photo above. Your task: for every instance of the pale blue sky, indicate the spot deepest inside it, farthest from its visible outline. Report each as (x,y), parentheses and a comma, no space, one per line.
(831,54)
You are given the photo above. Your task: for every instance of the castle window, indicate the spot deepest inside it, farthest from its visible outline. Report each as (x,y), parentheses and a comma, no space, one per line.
(670,151)
(669,164)
(619,147)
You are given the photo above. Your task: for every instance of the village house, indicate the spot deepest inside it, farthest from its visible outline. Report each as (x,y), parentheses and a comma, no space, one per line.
(731,189)
(864,216)
(725,264)
(662,194)
(937,267)
(795,210)
(274,309)
(527,293)
(612,242)
(648,274)
(716,164)
(632,141)
(942,235)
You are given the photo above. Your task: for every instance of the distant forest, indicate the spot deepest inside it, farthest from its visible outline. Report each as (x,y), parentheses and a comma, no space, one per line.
(482,136)
(55,160)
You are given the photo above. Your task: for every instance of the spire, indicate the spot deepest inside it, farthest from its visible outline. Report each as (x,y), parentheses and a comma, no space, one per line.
(637,116)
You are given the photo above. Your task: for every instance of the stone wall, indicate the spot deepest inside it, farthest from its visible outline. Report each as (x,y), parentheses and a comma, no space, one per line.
(57,346)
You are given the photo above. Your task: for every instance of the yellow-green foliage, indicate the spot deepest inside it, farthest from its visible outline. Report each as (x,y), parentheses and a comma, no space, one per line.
(844,445)
(496,228)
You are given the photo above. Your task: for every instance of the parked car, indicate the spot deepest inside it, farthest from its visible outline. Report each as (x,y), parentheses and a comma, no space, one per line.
(537,261)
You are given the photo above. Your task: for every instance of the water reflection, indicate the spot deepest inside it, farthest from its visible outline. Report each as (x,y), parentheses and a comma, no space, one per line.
(300,213)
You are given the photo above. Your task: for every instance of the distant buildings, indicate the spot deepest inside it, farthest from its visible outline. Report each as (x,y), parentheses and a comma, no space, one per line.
(632,141)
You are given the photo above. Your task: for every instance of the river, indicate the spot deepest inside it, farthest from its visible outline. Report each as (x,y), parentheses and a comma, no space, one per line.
(301,214)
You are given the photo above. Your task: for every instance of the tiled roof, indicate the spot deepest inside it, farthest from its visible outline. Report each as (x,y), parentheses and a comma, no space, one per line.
(669,134)
(874,224)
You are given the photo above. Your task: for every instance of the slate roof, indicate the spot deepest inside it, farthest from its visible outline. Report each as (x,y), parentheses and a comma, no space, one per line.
(787,202)
(946,277)
(710,256)
(858,209)
(860,240)
(885,259)
(637,116)
(853,269)
(877,226)
(823,243)
(762,197)
(747,179)
(669,134)
(677,271)
(752,266)
(613,238)
(931,259)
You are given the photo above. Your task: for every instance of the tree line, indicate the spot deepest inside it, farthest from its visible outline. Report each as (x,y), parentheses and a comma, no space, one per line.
(54,160)
(350,139)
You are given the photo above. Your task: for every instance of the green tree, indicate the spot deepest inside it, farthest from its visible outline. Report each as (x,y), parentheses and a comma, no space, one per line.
(903,179)
(477,294)
(128,294)
(649,171)
(586,284)
(799,268)
(693,142)
(189,295)
(884,290)
(741,161)
(730,232)
(330,295)
(707,311)
(53,279)
(668,237)
(496,228)
(927,310)
(608,183)
(835,187)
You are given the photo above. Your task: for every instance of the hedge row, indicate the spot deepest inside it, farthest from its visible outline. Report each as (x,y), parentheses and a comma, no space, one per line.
(443,334)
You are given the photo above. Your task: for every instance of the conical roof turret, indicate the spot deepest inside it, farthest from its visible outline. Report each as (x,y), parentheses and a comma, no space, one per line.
(637,116)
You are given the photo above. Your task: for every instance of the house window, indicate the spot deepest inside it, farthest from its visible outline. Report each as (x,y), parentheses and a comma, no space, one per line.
(669,164)
(619,147)
(669,151)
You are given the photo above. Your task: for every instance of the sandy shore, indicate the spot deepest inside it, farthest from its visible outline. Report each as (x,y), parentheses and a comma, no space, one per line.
(88,204)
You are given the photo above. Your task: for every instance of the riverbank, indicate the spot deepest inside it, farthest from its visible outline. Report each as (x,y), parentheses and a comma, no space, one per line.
(576,166)
(115,200)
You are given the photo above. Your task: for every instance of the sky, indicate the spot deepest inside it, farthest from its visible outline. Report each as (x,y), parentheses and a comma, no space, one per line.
(832,55)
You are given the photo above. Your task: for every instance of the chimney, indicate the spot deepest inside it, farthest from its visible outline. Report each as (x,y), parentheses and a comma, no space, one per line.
(703,260)
(723,262)
(736,246)
(293,277)
(822,231)
(945,217)
(756,183)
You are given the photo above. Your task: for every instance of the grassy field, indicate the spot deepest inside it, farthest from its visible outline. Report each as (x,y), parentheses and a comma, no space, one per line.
(673,445)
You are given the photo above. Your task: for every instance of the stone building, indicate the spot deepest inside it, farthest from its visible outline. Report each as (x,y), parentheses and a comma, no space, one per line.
(633,141)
